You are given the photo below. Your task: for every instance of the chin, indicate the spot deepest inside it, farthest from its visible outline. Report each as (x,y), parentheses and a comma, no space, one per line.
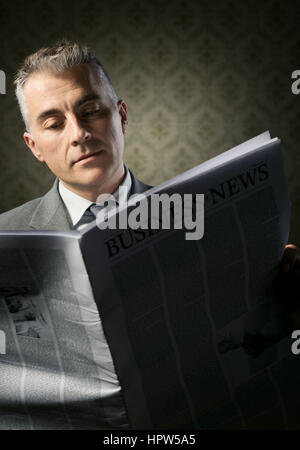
(96,177)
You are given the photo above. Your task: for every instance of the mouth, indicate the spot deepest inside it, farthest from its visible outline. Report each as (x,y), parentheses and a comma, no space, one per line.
(87,157)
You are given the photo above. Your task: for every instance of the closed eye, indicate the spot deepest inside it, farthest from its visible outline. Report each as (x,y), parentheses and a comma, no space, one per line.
(54,126)
(91,112)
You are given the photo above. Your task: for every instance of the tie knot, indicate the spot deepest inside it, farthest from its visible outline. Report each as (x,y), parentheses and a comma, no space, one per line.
(94,208)
(90,214)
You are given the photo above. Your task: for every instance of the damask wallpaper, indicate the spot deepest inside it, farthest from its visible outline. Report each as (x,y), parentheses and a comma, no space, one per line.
(199,77)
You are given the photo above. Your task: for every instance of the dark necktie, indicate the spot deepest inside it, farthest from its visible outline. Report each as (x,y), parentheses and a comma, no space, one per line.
(89,215)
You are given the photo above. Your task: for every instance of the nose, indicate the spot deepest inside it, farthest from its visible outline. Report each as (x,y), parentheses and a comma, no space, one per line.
(79,134)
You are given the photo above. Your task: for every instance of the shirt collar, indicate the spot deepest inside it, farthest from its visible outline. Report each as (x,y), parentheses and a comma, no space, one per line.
(77,205)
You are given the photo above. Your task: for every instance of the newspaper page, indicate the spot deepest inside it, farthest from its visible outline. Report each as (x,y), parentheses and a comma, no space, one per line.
(196,337)
(54,370)
(185,327)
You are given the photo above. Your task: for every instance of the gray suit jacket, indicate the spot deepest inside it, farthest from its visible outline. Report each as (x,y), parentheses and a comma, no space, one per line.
(48,212)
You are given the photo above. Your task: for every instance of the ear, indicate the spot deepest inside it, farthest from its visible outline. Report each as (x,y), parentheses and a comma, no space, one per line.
(29,141)
(123,114)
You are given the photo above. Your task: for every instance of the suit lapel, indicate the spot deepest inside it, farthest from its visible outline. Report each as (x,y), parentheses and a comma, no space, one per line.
(51,213)
(137,186)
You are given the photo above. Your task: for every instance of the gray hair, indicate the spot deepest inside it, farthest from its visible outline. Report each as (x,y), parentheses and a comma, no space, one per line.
(61,56)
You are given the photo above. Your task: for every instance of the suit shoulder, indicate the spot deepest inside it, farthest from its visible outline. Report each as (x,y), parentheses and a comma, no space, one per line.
(19,218)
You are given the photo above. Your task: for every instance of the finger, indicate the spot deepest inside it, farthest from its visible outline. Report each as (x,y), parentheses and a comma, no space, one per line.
(289,257)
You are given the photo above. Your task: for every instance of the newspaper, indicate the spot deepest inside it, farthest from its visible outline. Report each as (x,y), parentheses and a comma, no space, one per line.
(191,327)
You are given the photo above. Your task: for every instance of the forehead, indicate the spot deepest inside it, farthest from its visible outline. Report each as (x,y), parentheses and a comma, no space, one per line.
(48,89)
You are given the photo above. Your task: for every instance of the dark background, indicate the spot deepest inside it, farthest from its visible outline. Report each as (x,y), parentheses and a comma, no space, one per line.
(199,77)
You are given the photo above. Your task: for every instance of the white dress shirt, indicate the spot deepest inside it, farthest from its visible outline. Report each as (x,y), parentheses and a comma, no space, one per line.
(109,387)
(77,205)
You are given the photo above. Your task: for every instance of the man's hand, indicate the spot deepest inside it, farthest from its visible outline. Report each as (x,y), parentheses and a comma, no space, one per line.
(287,285)
(290,263)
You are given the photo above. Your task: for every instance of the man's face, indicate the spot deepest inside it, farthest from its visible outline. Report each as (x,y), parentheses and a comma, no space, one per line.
(75,128)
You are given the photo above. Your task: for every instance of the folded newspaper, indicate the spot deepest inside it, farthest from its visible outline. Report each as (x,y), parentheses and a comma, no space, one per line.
(181,332)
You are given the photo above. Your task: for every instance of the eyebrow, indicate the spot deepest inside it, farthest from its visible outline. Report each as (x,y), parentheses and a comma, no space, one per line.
(44,114)
(87,98)
(53,111)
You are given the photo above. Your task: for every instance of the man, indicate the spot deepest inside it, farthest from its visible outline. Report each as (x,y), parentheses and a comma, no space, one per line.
(76,125)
